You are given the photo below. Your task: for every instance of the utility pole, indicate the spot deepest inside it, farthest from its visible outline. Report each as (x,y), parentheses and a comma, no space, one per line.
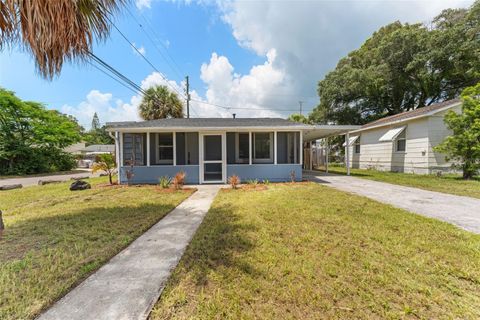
(188,97)
(300,103)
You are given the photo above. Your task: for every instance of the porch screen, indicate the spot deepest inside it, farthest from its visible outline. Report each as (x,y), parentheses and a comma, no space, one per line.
(133,149)
(238,148)
(288,147)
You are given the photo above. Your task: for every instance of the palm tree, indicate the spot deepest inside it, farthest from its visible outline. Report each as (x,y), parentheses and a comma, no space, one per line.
(160,103)
(55,31)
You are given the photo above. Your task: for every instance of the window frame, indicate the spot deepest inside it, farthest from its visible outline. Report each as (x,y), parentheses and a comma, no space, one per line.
(268,160)
(159,161)
(357,146)
(401,137)
(136,162)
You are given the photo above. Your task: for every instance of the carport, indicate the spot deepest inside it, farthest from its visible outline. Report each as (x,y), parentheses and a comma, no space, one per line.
(318,132)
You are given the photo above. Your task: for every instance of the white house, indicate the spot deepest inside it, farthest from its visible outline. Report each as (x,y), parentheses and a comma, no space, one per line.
(403,142)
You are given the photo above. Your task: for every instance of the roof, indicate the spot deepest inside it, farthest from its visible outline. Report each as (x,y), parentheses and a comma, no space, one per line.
(417,113)
(202,123)
(100,148)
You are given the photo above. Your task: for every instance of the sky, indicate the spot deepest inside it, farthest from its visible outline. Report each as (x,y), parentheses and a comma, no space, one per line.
(251,58)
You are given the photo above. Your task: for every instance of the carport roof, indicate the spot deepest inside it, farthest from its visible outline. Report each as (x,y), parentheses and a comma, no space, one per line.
(325,131)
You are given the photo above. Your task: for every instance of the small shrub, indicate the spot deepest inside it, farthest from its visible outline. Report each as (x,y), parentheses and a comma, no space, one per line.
(179,180)
(234,181)
(253,182)
(266,182)
(292,176)
(165,182)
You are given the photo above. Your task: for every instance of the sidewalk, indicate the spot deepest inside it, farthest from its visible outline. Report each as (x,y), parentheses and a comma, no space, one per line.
(130,284)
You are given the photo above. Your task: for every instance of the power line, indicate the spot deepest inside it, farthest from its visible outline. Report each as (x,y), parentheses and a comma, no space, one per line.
(145,58)
(152,29)
(112,77)
(155,45)
(243,108)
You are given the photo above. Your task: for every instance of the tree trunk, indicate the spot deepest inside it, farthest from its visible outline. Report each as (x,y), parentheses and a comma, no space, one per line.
(110,178)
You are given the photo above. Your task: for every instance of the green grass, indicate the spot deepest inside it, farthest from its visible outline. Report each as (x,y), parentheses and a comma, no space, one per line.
(54,237)
(306,251)
(59,173)
(450,183)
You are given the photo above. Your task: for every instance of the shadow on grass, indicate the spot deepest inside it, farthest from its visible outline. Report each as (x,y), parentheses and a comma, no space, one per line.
(95,226)
(220,243)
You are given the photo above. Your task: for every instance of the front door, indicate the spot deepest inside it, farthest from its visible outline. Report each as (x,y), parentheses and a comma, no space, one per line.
(212,158)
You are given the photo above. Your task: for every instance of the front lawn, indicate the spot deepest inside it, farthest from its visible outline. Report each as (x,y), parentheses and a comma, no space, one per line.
(54,237)
(306,251)
(450,183)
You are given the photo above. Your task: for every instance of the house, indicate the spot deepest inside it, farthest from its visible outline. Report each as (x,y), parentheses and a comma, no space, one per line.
(403,142)
(209,150)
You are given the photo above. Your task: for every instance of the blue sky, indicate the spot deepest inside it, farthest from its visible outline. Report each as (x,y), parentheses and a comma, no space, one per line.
(257,58)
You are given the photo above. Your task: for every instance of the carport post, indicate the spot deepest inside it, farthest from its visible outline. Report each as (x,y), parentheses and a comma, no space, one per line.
(327,154)
(347,152)
(311,156)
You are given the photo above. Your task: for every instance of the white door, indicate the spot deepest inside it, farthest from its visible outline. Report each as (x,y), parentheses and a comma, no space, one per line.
(212,157)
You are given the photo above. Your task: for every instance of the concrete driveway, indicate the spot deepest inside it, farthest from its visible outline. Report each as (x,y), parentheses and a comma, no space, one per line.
(33,181)
(460,211)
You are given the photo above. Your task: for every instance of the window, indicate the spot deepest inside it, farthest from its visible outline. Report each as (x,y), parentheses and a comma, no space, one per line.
(262,147)
(357,145)
(164,148)
(401,142)
(242,147)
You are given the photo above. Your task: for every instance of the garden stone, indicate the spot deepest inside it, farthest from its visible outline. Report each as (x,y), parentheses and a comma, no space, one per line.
(11,186)
(80,185)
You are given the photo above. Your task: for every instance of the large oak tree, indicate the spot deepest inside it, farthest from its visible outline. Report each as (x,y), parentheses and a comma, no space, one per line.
(403,67)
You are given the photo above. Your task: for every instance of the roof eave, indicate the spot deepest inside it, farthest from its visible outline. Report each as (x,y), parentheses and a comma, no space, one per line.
(428,114)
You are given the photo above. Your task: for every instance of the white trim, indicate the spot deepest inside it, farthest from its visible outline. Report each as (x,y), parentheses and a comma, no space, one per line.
(311,156)
(301,147)
(121,151)
(275,142)
(157,150)
(223,161)
(271,147)
(148,149)
(250,156)
(347,153)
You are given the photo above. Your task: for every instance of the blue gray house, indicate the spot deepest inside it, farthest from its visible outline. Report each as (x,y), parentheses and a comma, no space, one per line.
(209,150)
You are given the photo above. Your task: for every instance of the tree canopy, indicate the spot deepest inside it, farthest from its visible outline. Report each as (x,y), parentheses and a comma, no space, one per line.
(32,137)
(463,146)
(97,134)
(160,103)
(403,67)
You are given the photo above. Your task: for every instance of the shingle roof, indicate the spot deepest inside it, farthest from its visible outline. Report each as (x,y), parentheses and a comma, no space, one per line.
(206,123)
(412,113)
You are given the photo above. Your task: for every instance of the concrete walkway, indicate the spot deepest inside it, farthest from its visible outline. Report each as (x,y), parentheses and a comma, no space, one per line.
(33,181)
(128,286)
(461,211)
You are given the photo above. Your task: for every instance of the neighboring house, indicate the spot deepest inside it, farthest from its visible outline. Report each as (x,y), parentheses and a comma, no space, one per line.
(76,148)
(95,149)
(209,150)
(403,142)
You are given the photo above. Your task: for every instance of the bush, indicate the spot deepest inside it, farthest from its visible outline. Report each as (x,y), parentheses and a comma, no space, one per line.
(234,181)
(165,182)
(179,180)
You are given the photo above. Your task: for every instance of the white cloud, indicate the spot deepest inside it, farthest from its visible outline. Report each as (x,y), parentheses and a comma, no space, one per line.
(141,50)
(309,37)
(143,4)
(105,106)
